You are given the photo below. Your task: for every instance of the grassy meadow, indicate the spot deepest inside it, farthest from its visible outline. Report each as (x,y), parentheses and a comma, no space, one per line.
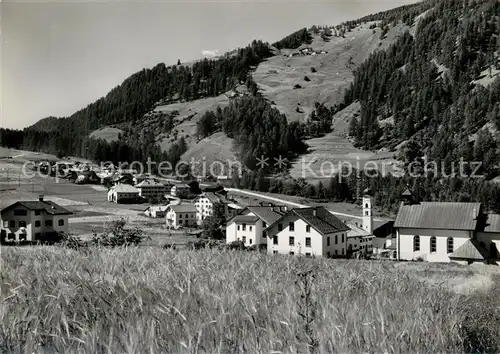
(147,299)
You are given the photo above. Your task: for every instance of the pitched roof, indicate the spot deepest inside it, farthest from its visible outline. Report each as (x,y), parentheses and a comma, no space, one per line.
(268,214)
(492,223)
(125,188)
(407,193)
(214,197)
(249,219)
(471,249)
(48,206)
(184,208)
(322,221)
(149,183)
(439,215)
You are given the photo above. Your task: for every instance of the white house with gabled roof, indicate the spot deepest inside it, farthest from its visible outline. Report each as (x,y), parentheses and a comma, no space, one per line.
(205,205)
(308,231)
(181,215)
(249,224)
(150,188)
(33,221)
(123,193)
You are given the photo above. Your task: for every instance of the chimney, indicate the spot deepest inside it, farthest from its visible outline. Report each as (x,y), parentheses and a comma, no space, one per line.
(40,198)
(283,208)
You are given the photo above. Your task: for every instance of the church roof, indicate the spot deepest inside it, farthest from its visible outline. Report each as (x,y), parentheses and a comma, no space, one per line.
(439,215)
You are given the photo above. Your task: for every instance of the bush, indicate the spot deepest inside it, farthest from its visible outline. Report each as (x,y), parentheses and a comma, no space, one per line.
(118,235)
(236,245)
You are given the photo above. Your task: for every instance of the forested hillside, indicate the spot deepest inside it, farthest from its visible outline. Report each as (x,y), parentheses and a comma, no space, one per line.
(137,95)
(423,86)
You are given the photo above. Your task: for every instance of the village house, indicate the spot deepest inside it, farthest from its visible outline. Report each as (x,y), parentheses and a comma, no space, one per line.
(151,189)
(181,215)
(308,231)
(444,232)
(180,190)
(205,204)
(123,193)
(156,211)
(33,221)
(248,226)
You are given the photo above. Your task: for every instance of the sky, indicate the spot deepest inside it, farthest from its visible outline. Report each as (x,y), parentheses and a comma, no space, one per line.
(59,56)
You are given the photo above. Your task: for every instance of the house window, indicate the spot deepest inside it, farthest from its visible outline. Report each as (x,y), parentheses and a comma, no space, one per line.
(264,225)
(11,236)
(336,252)
(280,227)
(244,238)
(238,227)
(37,212)
(366,205)
(342,238)
(449,244)
(22,237)
(291,241)
(38,235)
(22,223)
(366,213)
(12,223)
(48,222)
(275,252)
(250,227)
(20,212)
(336,239)
(61,222)
(5,224)
(180,222)
(292,253)
(328,241)
(308,254)
(416,243)
(291,226)
(433,244)
(342,251)
(308,228)
(275,240)
(244,227)
(250,241)
(308,242)
(328,254)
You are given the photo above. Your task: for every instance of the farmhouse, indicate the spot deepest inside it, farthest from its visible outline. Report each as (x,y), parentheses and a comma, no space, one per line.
(123,193)
(156,211)
(308,231)
(248,226)
(205,204)
(444,232)
(33,221)
(151,189)
(182,215)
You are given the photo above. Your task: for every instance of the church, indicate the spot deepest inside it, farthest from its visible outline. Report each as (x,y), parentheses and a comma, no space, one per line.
(446,232)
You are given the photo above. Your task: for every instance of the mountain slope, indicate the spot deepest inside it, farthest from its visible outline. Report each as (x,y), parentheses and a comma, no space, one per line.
(426,86)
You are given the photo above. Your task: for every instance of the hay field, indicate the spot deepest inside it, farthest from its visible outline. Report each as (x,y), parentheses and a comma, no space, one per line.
(144,299)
